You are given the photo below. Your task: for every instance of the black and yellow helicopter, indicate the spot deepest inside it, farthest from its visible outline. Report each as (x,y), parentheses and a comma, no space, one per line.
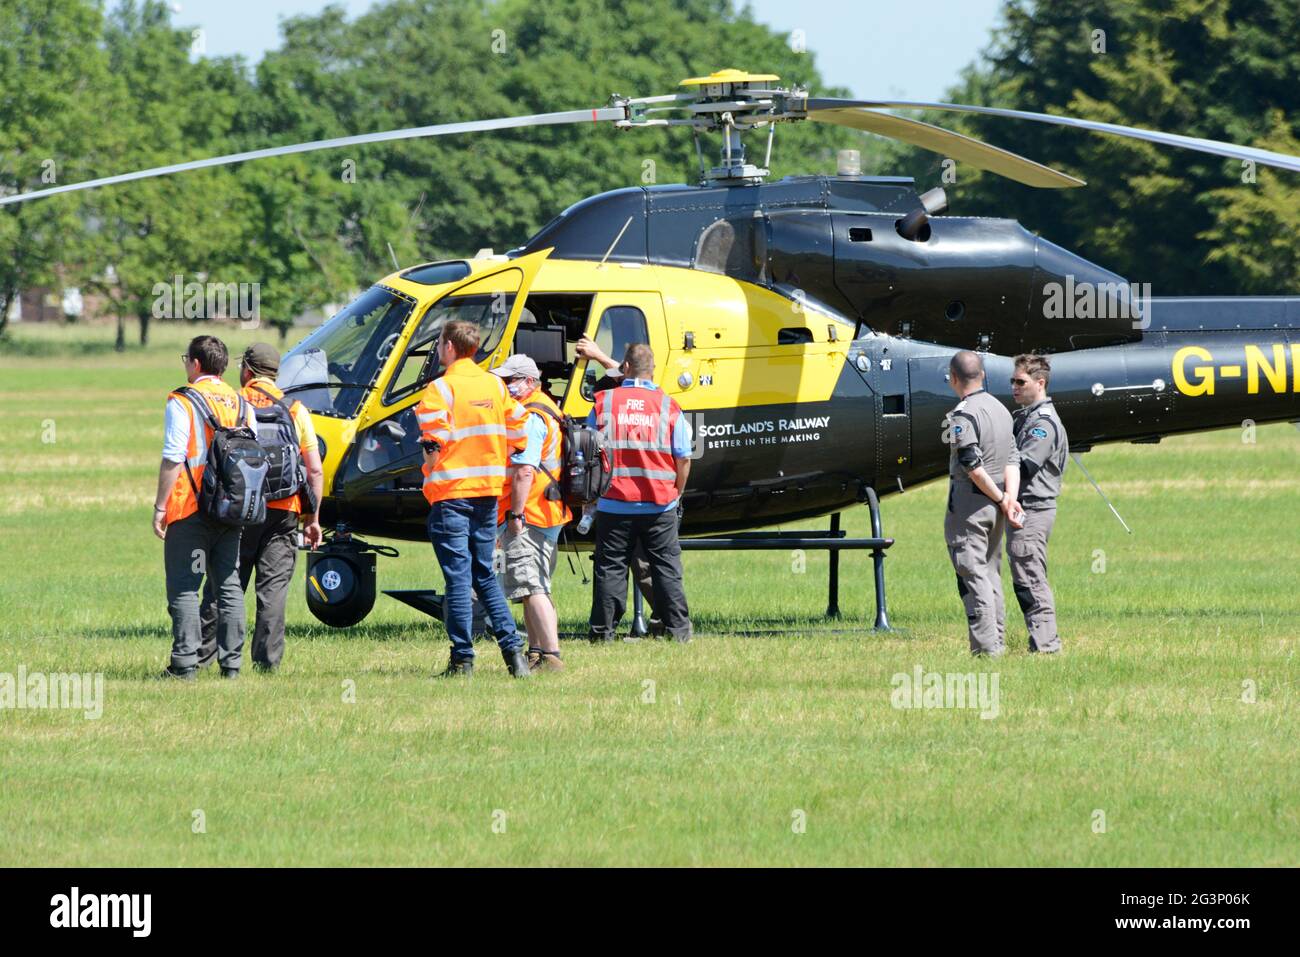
(805,325)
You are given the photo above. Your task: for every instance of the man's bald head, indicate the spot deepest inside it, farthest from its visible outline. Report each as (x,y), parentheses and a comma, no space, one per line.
(966,368)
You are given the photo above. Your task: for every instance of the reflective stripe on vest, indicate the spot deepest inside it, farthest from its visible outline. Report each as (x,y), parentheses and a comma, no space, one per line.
(538,509)
(255,396)
(472,430)
(669,474)
(198,426)
(469,471)
(224,403)
(641,446)
(644,468)
(471,415)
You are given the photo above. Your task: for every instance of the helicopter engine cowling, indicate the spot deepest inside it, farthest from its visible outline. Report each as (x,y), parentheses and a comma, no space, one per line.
(868,248)
(985,284)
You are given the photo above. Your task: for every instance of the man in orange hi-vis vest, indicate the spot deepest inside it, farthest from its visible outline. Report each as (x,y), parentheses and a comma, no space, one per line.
(271,548)
(469,424)
(532,513)
(195,545)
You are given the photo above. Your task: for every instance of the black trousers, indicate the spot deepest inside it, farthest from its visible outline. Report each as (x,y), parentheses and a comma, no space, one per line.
(645,585)
(617,538)
(269,549)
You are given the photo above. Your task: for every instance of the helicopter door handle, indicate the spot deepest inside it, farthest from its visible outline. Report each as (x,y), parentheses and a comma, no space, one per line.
(391,429)
(1157,386)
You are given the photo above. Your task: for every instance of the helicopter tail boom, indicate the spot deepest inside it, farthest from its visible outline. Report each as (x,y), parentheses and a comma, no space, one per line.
(1206,364)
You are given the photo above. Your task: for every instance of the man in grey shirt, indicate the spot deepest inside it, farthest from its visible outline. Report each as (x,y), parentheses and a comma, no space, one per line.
(1044,449)
(984,478)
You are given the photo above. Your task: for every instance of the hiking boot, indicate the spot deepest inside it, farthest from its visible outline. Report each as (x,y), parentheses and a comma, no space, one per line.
(534,657)
(179,674)
(517,662)
(459,668)
(547,661)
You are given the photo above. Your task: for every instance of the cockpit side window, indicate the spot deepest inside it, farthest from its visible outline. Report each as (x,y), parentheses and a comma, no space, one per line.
(419,366)
(619,327)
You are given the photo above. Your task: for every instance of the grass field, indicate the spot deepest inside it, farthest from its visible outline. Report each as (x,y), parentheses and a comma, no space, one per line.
(1171,718)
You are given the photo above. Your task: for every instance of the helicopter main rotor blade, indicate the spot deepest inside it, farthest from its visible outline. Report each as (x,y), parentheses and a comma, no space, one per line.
(1213,147)
(948,143)
(444,129)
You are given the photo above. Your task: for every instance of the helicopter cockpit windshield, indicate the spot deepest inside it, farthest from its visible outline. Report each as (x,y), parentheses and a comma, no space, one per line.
(420,365)
(331,370)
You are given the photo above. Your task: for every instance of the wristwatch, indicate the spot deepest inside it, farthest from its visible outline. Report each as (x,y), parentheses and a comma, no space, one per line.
(511,516)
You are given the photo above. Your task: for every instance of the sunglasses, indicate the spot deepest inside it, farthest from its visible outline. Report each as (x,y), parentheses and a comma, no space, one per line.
(1020,382)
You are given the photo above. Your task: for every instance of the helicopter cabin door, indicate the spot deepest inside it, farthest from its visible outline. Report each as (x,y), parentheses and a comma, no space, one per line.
(888,377)
(617,320)
(382,476)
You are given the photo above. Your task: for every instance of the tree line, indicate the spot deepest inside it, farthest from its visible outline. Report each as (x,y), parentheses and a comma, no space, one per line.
(88,91)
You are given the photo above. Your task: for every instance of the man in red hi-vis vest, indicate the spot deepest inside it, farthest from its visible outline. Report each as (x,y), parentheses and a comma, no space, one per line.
(650,442)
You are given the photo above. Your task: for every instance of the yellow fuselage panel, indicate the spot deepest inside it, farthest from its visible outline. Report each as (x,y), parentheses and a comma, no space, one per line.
(337,434)
(737,358)
(737,328)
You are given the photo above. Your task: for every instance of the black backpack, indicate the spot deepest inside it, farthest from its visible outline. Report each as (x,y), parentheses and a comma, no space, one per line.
(235,475)
(276,433)
(586,467)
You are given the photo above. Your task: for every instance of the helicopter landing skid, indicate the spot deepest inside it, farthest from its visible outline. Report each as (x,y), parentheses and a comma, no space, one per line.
(427,600)
(833,540)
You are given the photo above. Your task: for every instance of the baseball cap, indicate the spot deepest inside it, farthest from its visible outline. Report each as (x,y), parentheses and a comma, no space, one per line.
(262,359)
(518,365)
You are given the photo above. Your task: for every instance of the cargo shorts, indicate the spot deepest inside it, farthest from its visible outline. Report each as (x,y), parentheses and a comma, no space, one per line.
(528,562)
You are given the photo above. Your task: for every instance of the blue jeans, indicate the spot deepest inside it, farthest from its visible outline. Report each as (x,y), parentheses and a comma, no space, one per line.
(464,536)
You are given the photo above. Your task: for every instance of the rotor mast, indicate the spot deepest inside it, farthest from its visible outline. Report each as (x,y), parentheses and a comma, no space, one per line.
(729,102)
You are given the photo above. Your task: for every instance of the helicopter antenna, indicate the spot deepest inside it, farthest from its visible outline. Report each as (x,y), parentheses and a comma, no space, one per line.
(1079,462)
(396,265)
(614,243)
(416,212)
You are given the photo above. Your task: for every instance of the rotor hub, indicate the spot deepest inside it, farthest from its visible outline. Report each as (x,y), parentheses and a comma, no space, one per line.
(730,102)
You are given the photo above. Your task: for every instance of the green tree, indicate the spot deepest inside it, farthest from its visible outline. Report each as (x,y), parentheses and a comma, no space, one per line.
(1255,225)
(410,63)
(1186,222)
(145,233)
(53,75)
(124,94)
